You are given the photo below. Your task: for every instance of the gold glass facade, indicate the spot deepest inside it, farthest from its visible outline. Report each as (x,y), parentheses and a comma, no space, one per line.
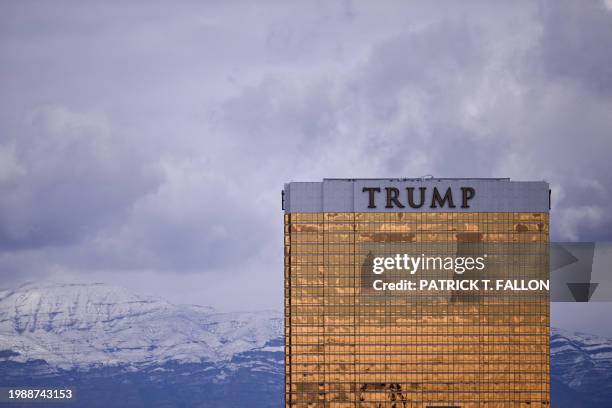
(347,346)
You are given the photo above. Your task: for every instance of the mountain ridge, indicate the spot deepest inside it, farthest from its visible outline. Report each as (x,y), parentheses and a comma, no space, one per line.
(78,325)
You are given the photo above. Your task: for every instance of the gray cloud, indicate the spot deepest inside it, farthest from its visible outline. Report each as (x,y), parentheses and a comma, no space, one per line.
(64,176)
(149,144)
(575,43)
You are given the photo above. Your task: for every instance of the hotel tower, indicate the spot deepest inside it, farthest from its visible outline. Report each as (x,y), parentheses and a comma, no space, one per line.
(350,344)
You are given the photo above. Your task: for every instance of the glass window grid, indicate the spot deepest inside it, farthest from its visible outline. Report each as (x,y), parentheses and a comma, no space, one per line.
(342,350)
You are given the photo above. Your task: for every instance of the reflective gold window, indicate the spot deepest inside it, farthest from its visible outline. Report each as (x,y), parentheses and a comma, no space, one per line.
(349,346)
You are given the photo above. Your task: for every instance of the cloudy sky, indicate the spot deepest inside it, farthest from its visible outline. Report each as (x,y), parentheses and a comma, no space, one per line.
(147,145)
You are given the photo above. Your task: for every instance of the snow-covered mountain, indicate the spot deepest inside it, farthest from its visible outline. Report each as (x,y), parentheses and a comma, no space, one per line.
(582,365)
(85,325)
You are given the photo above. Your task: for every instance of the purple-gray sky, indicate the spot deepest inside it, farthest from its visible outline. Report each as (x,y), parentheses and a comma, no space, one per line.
(145,144)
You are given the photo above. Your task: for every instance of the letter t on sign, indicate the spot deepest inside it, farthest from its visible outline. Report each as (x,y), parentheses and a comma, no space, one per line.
(371,197)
